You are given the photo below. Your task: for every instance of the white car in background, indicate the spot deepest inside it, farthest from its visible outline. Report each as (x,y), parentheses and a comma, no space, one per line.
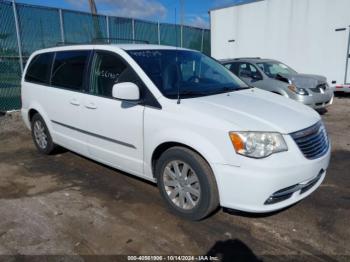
(342,88)
(178,118)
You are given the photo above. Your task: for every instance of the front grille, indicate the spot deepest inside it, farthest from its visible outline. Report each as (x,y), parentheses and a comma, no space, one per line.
(312,141)
(323,103)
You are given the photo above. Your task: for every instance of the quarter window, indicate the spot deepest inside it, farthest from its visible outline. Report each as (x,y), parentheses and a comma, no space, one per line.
(107,70)
(39,69)
(68,70)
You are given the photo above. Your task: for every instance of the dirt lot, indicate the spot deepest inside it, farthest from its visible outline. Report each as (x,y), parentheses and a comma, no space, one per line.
(66,204)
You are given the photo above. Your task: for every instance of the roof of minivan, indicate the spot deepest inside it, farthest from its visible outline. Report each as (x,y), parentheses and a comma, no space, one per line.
(121,46)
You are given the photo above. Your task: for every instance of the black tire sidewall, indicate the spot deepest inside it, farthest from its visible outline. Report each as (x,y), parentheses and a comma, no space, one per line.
(50,145)
(201,210)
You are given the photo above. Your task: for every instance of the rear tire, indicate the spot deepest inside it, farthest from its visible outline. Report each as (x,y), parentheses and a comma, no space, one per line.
(41,135)
(186,183)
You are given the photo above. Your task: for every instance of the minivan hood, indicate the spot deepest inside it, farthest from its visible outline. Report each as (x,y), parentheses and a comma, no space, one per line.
(305,80)
(256,110)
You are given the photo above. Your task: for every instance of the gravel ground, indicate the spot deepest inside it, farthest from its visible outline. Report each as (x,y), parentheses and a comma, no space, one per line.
(66,204)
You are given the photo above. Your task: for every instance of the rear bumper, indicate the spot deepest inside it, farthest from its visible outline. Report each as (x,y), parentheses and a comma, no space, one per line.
(24,113)
(250,186)
(342,88)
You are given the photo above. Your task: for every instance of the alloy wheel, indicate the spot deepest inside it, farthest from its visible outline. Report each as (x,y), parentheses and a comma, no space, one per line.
(182,185)
(40,135)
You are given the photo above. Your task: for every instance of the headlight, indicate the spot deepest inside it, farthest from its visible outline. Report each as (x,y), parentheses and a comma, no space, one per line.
(257,144)
(299,91)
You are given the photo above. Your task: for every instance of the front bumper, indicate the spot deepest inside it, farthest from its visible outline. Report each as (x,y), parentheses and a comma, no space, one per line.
(316,100)
(249,186)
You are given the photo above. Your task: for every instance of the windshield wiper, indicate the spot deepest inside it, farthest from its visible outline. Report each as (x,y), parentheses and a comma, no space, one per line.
(230,89)
(244,87)
(213,92)
(192,92)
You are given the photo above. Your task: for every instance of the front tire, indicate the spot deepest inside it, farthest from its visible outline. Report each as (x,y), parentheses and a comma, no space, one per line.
(41,135)
(187,183)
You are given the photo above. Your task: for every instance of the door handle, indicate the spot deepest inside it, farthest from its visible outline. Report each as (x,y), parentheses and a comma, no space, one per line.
(74,102)
(91,105)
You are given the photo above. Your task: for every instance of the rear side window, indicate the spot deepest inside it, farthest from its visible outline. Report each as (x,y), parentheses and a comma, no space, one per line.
(68,70)
(39,69)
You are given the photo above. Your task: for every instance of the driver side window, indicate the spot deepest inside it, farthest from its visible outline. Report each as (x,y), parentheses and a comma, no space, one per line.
(107,70)
(249,71)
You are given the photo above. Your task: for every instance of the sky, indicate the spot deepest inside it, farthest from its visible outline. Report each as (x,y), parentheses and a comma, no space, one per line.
(195,12)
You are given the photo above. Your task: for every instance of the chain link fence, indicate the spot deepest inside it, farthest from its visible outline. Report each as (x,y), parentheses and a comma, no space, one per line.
(26,28)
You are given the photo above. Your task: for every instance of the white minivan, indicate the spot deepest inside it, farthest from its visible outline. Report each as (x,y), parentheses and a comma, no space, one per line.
(178,118)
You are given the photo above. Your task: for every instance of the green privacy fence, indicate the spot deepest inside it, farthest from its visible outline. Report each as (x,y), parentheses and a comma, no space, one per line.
(10,71)
(26,28)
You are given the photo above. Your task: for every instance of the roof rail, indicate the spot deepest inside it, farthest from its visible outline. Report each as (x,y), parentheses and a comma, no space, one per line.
(103,41)
(69,43)
(239,58)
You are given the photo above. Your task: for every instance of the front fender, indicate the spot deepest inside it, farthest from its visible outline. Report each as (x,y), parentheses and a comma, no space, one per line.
(206,148)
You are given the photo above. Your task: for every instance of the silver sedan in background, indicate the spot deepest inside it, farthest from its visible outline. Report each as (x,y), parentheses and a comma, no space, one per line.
(274,76)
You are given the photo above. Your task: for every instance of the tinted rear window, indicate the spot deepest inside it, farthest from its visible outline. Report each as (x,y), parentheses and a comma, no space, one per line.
(39,69)
(68,70)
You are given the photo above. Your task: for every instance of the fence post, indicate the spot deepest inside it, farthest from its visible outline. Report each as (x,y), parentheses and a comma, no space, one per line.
(202,40)
(61,25)
(19,42)
(158,33)
(181,36)
(107,24)
(133,29)
(347,60)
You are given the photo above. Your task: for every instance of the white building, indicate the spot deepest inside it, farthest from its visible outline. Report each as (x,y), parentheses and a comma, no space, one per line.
(311,36)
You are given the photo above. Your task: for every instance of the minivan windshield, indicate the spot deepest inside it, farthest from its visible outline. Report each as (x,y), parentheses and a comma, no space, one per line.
(186,72)
(272,69)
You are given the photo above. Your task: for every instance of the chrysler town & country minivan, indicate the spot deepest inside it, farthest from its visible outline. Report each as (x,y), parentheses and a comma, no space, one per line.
(180,119)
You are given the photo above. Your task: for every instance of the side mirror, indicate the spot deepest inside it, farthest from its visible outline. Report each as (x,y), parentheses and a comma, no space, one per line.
(126,91)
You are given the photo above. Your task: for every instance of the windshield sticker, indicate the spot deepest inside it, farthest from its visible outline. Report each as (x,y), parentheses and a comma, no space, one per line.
(146,53)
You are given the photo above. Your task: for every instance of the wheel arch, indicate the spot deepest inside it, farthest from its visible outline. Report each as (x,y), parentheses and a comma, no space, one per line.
(161,148)
(31,113)
(37,109)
